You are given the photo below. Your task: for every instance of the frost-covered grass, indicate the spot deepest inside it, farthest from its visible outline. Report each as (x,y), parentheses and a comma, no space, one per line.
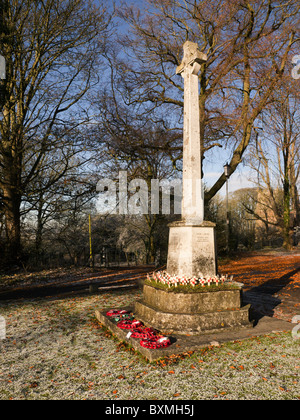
(55,349)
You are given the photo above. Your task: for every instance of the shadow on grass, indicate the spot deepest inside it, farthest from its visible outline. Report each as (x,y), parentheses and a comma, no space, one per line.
(262,297)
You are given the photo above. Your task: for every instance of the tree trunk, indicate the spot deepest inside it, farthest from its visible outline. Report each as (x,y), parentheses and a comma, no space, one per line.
(12,202)
(39,229)
(287,231)
(152,249)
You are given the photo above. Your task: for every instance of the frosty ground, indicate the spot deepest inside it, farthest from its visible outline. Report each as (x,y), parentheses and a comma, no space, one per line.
(55,349)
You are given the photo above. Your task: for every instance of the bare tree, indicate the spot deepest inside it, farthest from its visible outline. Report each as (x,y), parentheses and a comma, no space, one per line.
(248,44)
(52,49)
(145,146)
(276,161)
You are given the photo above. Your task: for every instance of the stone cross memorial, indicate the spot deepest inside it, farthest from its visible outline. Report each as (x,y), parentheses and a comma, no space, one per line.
(193,203)
(192,249)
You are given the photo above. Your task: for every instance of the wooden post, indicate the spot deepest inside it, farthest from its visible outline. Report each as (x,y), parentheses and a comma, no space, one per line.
(90,237)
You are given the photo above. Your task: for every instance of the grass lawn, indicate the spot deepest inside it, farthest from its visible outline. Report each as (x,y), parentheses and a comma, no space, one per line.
(55,349)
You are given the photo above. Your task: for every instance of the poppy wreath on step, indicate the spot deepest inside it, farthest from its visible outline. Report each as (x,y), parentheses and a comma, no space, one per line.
(144,333)
(157,342)
(124,316)
(116,312)
(129,325)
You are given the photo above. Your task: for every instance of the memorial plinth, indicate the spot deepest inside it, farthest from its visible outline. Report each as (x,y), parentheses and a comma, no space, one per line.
(192,249)
(193,313)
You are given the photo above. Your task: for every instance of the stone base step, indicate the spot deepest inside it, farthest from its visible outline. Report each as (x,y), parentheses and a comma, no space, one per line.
(192,323)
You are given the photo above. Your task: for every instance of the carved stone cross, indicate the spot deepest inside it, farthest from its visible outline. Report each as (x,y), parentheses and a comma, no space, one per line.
(192,202)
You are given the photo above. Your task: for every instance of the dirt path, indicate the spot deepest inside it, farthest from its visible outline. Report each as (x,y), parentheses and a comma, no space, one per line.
(272,282)
(69,281)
